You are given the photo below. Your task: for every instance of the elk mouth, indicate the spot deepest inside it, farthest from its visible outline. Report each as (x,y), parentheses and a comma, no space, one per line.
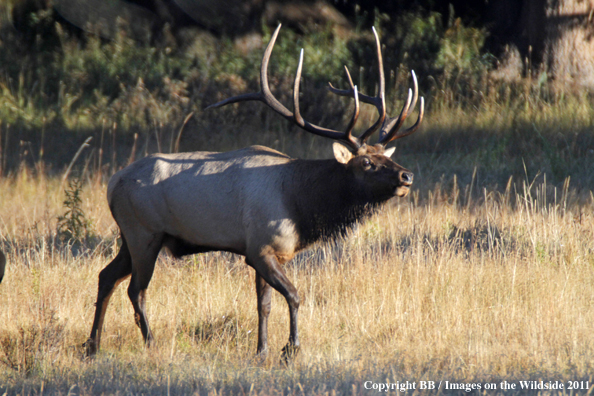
(405,180)
(402,190)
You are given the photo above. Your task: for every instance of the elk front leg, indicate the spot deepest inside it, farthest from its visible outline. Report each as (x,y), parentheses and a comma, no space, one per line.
(268,267)
(264,292)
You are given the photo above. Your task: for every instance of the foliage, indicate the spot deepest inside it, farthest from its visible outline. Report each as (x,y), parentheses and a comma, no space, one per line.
(74,224)
(25,349)
(125,92)
(460,50)
(84,81)
(79,81)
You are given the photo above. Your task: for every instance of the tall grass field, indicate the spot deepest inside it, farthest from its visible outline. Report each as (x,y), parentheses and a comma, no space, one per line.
(480,281)
(450,287)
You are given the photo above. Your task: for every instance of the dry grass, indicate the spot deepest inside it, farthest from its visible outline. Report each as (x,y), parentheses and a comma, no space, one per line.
(498,289)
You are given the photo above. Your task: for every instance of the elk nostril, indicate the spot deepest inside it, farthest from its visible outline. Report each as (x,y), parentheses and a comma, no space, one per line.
(406,177)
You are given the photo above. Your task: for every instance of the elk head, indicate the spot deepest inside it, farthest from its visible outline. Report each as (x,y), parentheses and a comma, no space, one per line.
(370,164)
(375,171)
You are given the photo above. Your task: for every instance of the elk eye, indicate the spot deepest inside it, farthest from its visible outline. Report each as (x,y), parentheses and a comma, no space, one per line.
(366,163)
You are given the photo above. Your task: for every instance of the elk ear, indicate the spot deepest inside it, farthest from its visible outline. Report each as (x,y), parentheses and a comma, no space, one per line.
(388,153)
(341,153)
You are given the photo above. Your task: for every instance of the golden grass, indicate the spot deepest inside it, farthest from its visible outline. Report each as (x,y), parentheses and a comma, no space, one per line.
(499,289)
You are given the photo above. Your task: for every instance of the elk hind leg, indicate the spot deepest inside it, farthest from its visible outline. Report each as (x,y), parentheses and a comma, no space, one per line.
(115,272)
(143,266)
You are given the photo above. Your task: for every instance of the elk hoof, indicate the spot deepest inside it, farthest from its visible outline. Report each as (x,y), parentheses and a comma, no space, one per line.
(137,320)
(90,348)
(288,353)
(261,356)
(149,340)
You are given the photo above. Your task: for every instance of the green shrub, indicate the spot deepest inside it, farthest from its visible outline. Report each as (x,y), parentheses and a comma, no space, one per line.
(73,225)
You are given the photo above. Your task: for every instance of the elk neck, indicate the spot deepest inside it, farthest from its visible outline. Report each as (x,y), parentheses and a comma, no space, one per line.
(325,199)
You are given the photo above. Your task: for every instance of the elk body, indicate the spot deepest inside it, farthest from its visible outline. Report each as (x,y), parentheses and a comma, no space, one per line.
(256,202)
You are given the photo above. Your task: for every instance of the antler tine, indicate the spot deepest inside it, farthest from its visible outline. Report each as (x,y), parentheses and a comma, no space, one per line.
(413,128)
(346,69)
(347,136)
(416,89)
(353,121)
(381,109)
(390,129)
(373,100)
(353,91)
(378,101)
(298,119)
(394,124)
(266,96)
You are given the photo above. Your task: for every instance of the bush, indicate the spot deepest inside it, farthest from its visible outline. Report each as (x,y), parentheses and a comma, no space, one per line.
(73,225)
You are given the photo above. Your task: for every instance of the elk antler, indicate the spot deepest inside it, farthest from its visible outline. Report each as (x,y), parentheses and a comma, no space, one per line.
(389,127)
(266,96)
(378,101)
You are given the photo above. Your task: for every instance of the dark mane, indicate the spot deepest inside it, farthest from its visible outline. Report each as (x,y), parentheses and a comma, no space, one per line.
(330,201)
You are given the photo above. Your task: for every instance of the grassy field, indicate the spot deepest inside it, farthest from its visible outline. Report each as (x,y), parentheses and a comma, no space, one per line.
(483,274)
(441,286)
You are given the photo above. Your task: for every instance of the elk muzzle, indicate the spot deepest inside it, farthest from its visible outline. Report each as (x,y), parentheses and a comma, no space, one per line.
(405,180)
(406,177)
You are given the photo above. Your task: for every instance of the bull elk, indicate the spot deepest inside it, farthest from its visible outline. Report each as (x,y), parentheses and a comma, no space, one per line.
(256,202)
